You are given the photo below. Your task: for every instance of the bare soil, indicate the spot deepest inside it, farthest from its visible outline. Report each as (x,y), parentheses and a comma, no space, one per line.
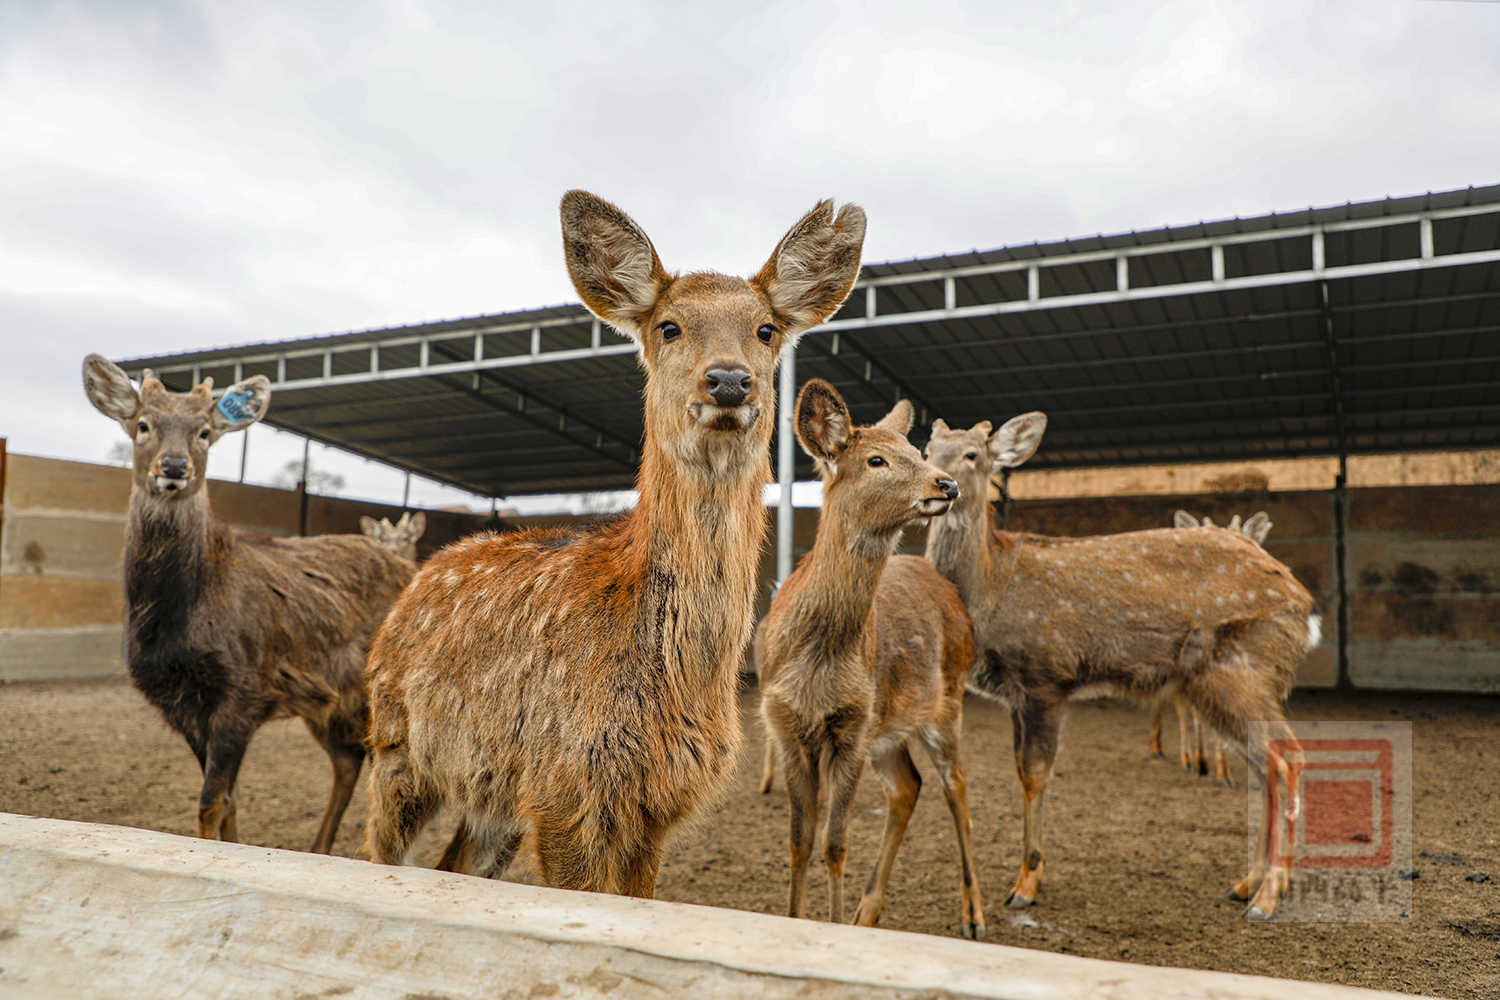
(1139,854)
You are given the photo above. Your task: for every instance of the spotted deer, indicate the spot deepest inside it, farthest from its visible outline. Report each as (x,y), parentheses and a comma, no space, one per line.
(1192,735)
(578,688)
(865,654)
(226,630)
(1204,613)
(401,537)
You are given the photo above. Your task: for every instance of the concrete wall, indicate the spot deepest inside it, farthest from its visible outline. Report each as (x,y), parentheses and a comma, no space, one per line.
(1423,562)
(62,530)
(101,911)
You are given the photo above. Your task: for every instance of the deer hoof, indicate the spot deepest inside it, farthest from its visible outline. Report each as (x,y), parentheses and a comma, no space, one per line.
(1158,755)
(1257,914)
(974,932)
(1016,901)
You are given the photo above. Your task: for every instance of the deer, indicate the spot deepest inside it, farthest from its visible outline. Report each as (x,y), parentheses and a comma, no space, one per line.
(1206,614)
(1191,732)
(226,630)
(866,652)
(579,688)
(401,537)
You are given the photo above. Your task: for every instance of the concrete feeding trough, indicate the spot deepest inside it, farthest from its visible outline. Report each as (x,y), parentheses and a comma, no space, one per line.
(89,910)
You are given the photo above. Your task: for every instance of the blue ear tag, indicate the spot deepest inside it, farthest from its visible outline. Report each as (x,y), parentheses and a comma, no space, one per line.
(236,406)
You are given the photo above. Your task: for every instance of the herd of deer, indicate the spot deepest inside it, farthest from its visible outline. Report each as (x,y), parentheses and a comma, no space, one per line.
(579,688)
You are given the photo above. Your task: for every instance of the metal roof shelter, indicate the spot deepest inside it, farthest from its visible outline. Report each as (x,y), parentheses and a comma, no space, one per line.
(1358,328)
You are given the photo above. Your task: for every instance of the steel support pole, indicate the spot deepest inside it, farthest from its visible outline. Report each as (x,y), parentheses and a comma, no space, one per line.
(1340,489)
(244,451)
(785,468)
(406,492)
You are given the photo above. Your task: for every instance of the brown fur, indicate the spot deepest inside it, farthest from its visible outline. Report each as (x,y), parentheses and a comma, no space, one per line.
(863,652)
(582,686)
(1192,735)
(227,630)
(1204,613)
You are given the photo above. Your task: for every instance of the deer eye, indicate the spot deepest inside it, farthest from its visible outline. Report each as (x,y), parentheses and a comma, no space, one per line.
(203,434)
(876,461)
(142,427)
(971,455)
(765,333)
(669,331)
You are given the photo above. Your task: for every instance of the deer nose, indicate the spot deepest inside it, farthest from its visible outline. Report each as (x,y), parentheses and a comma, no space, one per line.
(728,386)
(949,488)
(174,468)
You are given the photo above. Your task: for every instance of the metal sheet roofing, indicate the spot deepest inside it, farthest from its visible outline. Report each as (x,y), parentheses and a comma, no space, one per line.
(1368,327)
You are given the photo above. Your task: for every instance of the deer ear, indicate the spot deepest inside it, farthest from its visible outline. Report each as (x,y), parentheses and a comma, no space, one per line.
(1017,439)
(109,389)
(613,265)
(242,404)
(1182,519)
(899,419)
(822,419)
(1258,527)
(939,425)
(367,525)
(814,267)
(417,525)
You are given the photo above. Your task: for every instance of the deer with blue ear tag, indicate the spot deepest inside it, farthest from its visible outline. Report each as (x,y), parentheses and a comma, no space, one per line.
(225,630)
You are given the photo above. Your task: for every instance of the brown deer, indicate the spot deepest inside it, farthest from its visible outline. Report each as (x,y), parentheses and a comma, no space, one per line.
(1204,613)
(865,653)
(401,537)
(582,686)
(226,630)
(1192,734)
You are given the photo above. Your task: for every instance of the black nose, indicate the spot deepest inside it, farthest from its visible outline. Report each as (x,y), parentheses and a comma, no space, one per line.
(949,488)
(728,386)
(174,468)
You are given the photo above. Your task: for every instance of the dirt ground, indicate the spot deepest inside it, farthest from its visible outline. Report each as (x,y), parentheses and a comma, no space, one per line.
(1138,853)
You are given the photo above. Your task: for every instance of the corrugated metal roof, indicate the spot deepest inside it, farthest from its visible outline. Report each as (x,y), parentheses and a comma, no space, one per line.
(1370,326)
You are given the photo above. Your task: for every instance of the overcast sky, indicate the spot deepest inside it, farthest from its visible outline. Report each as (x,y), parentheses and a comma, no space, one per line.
(182,175)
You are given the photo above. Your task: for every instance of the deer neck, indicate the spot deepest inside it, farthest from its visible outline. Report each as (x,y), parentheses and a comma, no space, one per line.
(700,535)
(842,573)
(960,546)
(167,554)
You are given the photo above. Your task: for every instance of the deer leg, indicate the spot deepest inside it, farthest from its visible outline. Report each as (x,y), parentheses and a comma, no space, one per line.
(1184,732)
(802,802)
(1279,766)
(1157,710)
(1222,774)
(347,754)
(841,769)
(216,812)
(902,785)
(456,855)
(1200,746)
(640,868)
(768,768)
(1036,732)
(399,807)
(485,852)
(945,756)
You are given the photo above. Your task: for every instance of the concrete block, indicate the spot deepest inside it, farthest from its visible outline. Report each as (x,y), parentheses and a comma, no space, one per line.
(1425,665)
(62,654)
(99,911)
(65,544)
(35,601)
(52,484)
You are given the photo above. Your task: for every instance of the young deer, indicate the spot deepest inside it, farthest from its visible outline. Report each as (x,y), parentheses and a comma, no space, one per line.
(1205,613)
(864,652)
(583,685)
(228,630)
(1192,734)
(401,537)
